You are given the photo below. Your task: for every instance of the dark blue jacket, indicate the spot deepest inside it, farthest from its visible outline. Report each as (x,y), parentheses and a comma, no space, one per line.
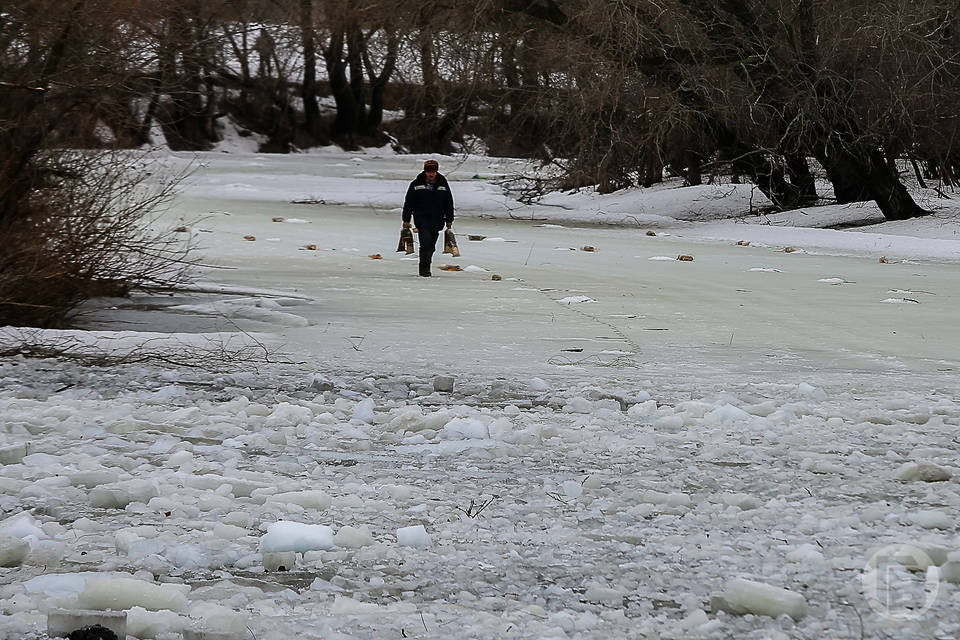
(430,205)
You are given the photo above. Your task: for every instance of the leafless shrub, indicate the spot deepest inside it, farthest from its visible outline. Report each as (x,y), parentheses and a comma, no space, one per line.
(529,186)
(87,228)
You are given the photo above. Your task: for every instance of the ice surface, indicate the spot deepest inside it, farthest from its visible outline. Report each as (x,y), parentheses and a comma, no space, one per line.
(598,593)
(220,619)
(343,605)
(229,531)
(310,499)
(572,489)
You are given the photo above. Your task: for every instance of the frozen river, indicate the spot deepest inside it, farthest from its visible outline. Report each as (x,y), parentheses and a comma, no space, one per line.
(628,436)
(629,301)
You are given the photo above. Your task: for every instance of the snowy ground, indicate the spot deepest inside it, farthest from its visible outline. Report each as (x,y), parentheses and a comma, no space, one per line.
(628,435)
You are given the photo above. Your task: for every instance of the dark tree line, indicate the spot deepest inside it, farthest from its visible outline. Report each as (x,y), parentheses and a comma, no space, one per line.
(620,90)
(759,88)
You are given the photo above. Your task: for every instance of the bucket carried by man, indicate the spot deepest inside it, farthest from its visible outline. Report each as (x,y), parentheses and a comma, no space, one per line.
(450,243)
(406,241)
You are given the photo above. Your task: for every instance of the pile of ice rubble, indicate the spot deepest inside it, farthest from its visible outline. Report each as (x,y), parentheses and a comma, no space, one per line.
(186,504)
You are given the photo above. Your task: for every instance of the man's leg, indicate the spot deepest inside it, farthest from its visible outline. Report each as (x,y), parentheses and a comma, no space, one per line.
(428,244)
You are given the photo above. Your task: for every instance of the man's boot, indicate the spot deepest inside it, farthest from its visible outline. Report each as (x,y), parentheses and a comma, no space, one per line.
(425,271)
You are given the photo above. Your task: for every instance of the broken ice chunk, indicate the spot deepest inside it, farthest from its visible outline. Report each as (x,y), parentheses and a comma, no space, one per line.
(603,595)
(353,537)
(932,519)
(279,561)
(124,593)
(296,536)
(62,622)
(764,599)
(415,536)
(923,471)
(13,551)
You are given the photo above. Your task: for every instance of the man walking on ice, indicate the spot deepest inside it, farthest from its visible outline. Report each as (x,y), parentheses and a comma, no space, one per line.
(430,203)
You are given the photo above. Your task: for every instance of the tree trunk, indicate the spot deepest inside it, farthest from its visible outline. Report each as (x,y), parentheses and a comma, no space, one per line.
(344,125)
(356,45)
(693,171)
(189,118)
(511,76)
(768,174)
(429,99)
(241,51)
(652,167)
(147,123)
(378,83)
(802,179)
(19,145)
(869,177)
(308,90)
(918,173)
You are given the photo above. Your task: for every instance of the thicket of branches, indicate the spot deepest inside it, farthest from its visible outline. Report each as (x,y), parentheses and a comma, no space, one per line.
(616,92)
(74,224)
